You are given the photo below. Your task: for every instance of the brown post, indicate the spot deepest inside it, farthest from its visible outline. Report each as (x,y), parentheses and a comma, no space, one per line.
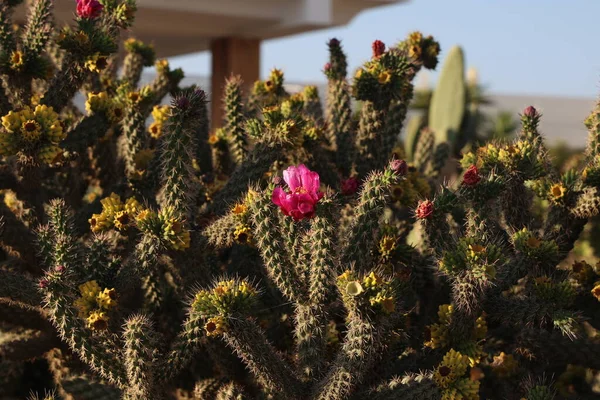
(231,55)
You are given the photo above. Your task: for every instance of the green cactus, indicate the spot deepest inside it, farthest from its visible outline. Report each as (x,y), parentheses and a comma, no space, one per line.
(448,101)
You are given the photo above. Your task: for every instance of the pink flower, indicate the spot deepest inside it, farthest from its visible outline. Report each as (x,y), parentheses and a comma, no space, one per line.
(304,193)
(89,9)
(424,209)
(350,186)
(471,176)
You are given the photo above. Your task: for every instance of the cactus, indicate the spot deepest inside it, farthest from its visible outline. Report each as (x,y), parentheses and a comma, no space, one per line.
(289,255)
(448,101)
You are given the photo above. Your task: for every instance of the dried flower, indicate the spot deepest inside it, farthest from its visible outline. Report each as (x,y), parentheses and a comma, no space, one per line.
(399,166)
(304,193)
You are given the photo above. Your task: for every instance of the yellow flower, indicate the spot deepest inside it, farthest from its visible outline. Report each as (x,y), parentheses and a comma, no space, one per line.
(176,235)
(436,336)
(16,60)
(107,299)
(89,290)
(557,191)
(111,205)
(242,234)
(98,321)
(453,366)
(133,207)
(161,113)
(215,326)
(384,77)
(354,288)
(12,121)
(155,130)
(122,220)
(358,74)
(100,222)
(239,209)
(96,63)
(115,112)
(387,245)
(372,280)
(31,130)
(596,291)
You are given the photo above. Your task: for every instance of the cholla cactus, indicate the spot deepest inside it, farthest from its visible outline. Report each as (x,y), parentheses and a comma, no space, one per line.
(290,254)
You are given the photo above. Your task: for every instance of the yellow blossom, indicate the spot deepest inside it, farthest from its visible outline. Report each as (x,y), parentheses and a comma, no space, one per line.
(242,234)
(354,288)
(98,321)
(215,326)
(596,291)
(107,299)
(557,191)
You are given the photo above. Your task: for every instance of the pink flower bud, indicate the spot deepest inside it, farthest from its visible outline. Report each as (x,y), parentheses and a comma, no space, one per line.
(60,269)
(43,283)
(530,112)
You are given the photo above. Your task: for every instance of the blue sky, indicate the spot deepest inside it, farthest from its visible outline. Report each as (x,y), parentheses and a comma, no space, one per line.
(548,47)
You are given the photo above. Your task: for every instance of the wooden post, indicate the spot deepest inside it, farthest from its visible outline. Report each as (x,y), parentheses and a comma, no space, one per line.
(232,55)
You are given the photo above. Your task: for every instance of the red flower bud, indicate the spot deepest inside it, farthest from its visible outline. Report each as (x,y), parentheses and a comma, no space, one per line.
(43,283)
(471,176)
(350,186)
(399,166)
(424,209)
(378,48)
(60,269)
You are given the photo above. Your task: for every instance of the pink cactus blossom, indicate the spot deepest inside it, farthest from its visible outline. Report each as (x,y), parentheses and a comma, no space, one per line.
(300,201)
(89,9)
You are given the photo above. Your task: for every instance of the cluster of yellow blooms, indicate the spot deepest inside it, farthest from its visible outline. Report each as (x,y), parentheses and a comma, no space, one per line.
(115,214)
(101,103)
(377,290)
(167,225)
(160,114)
(223,299)
(94,304)
(122,215)
(34,132)
(242,233)
(449,376)
(438,335)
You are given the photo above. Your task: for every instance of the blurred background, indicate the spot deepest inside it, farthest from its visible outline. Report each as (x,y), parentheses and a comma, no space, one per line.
(518,53)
